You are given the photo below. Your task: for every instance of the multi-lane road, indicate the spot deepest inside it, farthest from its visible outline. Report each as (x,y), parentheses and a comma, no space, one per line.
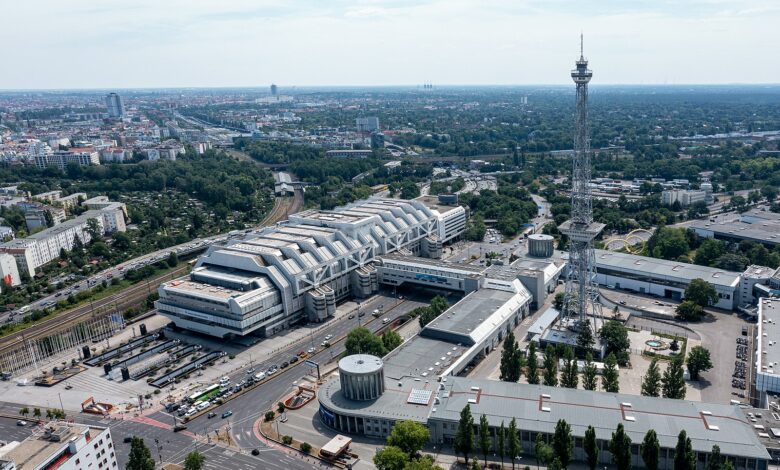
(248,407)
(252,404)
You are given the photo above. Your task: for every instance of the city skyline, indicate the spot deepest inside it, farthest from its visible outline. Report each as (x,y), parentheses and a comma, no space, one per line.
(383,43)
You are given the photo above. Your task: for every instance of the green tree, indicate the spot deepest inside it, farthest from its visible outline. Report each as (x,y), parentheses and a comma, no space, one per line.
(194,461)
(589,373)
(24,411)
(650,449)
(550,366)
(140,458)
(688,310)
(651,383)
(701,293)
(501,443)
(484,437)
(37,412)
(513,442)
(173,259)
(673,380)
(558,301)
(620,448)
(408,436)
(585,339)
(684,456)
(610,377)
(715,460)
(391,458)
(475,229)
(668,243)
(511,360)
(362,341)
(391,340)
(532,370)
(121,241)
(569,373)
(544,453)
(94,230)
(698,361)
(591,448)
(464,438)
(614,335)
(709,250)
(563,443)
(423,463)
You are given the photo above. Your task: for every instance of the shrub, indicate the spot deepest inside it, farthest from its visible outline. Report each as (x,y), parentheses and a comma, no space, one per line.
(269,415)
(287,440)
(305,447)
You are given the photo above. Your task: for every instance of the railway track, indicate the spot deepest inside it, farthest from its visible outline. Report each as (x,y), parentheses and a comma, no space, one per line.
(132,295)
(117,302)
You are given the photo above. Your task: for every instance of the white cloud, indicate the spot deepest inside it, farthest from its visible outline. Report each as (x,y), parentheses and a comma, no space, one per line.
(92,43)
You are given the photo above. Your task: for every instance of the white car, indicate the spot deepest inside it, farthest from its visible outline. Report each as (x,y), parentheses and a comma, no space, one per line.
(328,337)
(260,376)
(311,350)
(203,406)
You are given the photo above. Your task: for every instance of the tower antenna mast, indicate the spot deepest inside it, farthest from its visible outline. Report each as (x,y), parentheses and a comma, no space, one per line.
(581,298)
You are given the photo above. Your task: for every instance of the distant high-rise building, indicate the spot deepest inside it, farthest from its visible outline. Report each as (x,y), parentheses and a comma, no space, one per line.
(367,124)
(116,109)
(274,89)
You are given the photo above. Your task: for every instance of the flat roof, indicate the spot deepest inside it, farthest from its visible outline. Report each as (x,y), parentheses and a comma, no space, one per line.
(766,231)
(664,269)
(463,318)
(360,364)
(202,289)
(768,336)
(37,450)
(538,408)
(432,202)
(434,263)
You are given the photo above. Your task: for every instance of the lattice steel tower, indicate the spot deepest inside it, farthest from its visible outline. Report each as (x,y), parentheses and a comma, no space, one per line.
(582,295)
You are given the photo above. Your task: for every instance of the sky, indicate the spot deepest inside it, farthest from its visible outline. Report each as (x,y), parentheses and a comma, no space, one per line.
(57,44)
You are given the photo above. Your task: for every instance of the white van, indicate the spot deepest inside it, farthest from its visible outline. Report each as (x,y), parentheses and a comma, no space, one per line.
(260,376)
(224,380)
(203,406)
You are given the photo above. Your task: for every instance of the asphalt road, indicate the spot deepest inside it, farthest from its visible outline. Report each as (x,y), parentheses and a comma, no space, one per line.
(250,406)
(163,444)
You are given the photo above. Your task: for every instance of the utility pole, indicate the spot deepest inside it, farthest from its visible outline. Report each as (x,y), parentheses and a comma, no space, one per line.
(159,450)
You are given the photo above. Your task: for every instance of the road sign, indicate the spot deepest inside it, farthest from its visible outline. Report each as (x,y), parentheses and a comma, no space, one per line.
(314,364)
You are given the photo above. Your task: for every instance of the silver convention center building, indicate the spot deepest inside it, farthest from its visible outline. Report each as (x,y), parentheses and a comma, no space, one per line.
(300,269)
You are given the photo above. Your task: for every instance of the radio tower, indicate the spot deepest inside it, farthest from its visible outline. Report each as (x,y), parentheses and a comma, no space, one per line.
(582,295)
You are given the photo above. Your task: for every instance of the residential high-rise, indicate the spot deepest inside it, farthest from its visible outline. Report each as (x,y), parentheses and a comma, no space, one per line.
(274,89)
(582,296)
(116,109)
(367,124)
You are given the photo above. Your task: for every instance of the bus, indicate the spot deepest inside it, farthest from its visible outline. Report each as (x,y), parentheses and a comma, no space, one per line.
(205,394)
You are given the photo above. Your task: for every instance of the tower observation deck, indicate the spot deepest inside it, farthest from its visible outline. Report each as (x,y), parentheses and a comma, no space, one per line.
(581,297)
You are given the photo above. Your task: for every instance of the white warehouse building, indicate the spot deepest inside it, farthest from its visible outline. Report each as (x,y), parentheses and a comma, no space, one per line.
(663,278)
(302,267)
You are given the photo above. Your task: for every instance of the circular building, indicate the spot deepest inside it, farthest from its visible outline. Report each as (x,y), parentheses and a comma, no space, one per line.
(540,245)
(362,377)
